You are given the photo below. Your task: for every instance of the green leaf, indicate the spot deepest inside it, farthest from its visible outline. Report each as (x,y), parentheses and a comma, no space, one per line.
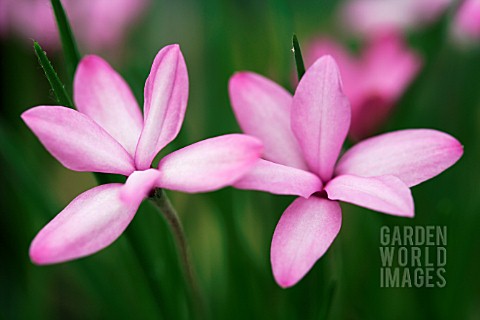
(70,49)
(297,52)
(57,86)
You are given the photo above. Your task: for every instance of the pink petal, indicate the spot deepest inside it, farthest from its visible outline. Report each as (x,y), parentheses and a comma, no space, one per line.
(348,64)
(279,179)
(386,194)
(139,185)
(373,95)
(104,25)
(166,94)
(321,116)
(91,222)
(412,155)
(466,24)
(77,141)
(304,233)
(262,108)
(103,95)
(209,164)
(389,54)
(372,17)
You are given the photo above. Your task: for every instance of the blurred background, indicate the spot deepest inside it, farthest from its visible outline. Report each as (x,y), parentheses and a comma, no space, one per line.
(230,230)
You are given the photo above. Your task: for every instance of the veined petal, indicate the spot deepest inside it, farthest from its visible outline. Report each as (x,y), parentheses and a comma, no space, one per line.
(279,179)
(138,185)
(304,233)
(262,109)
(77,141)
(166,94)
(103,95)
(91,222)
(321,116)
(209,164)
(412,155)
(387,194)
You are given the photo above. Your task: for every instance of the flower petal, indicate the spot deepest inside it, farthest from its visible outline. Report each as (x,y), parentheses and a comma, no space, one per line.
(209,164)
(372,17)
(466,24)
(304,233)
(387,194)
(321,116)
(139,185)
(279,179)
(91,222)
(389,54)
(412,155)
(103,95)
(348,65)
(166,94)
(262,109)
(373,95)
(77,141)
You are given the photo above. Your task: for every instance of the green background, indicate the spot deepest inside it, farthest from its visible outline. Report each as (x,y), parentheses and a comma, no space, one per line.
(230,230)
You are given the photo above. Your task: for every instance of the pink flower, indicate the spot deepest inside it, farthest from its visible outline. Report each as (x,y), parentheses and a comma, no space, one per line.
(108,134)
(371,17)
(98,24)
(303,137)
(374,81)
(466,25)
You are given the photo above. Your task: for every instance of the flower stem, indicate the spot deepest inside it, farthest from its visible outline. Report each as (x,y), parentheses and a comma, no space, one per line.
(169,213)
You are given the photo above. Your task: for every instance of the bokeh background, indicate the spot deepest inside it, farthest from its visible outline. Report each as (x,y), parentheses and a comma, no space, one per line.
(139,277)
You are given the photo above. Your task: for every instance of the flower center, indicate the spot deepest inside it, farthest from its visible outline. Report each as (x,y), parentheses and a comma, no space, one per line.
(321,194)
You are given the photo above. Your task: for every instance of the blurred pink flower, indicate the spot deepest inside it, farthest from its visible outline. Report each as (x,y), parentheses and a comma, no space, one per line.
(466,25)
(374,81)
(303,136)
(108,134)
(371,17)
(98,24)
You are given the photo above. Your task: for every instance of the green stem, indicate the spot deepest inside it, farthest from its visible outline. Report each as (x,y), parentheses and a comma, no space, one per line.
(70,49)
(169,213)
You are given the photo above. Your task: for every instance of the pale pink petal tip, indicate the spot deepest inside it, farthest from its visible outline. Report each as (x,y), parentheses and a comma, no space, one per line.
(302,236)
(91,222)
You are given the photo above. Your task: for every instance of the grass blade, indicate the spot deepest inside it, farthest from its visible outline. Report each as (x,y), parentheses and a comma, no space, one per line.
(57,86)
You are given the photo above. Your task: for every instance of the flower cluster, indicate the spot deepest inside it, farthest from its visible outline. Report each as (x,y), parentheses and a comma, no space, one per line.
(292,144)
